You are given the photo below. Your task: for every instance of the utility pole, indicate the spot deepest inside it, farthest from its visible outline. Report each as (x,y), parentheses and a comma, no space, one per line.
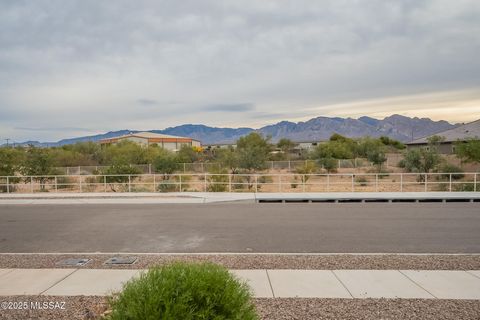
(7,141)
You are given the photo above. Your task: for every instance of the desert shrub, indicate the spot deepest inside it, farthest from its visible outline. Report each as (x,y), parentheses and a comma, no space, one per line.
(295,183)
(64,182)
(447,168)
(381,174)
(184,291)
(466,187)
(168,185)
(362,181)
(120,175)
(263,180)
(330,164)
(218,181)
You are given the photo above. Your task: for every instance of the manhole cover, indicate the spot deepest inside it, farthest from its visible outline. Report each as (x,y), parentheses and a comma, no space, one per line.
(73,262)
(121,260)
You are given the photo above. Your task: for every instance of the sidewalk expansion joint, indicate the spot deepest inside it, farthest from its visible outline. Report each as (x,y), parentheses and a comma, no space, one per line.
(53,285)
(418,284)
(270,283)
(335,275)
(472,274)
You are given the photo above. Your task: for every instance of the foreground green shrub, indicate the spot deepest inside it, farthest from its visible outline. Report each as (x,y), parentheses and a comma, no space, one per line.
(184,291)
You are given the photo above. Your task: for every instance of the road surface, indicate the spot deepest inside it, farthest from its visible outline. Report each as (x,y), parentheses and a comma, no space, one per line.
(241,227)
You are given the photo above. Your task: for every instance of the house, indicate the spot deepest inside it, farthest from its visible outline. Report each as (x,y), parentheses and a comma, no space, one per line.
(450,137)
(168,142)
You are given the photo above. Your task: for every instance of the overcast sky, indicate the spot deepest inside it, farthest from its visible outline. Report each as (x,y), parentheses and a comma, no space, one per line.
(70,68)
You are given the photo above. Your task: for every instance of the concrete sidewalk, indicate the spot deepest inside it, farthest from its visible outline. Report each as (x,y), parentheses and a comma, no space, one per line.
(214,197)
(359,284)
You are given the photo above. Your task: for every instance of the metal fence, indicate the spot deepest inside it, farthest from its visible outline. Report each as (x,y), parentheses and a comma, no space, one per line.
(368,182)
(202,167)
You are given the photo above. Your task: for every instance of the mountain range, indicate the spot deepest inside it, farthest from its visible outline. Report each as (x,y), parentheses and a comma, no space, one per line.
(317,129)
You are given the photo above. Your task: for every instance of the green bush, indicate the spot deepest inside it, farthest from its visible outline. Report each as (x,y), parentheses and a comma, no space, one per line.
(184,291)
(466,187)
(447,168)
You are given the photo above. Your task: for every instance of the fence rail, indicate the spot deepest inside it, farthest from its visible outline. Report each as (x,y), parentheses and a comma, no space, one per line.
(206,182)
(202,167)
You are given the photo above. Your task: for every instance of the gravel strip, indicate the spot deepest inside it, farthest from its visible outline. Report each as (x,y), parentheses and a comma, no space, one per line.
(322,262)
(78,307)
(282,309)
(82,307)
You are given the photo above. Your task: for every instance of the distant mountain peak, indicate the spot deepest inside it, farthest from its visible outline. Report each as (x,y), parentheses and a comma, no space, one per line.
(320,128)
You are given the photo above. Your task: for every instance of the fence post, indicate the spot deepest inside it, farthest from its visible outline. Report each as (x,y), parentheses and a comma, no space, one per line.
(339,166)
(56,188)
(79,170)
(450,186)
(8,185)
(353,183)
(376,182)
(271,162)
(279,182)
(129,183)
(303,180)
(289,166)
(328,182)
(80,182)
(256,183)
(229,183)
(31,184)
(184,168)
(426,182)
(149,168)
(475,183)
(180,179)
(105,183)
(203,168)
(204,181)
(401,182)
(154,183)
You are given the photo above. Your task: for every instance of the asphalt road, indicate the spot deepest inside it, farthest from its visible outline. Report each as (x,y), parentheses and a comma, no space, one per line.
(275,228)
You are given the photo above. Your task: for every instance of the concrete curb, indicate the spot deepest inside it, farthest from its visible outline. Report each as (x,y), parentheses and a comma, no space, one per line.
(202,197)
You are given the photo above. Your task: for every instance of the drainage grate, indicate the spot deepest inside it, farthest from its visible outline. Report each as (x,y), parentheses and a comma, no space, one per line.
(73,262)
(121,260)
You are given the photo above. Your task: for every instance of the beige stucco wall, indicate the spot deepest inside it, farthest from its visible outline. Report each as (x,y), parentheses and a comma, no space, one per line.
(444,148)
(196,143)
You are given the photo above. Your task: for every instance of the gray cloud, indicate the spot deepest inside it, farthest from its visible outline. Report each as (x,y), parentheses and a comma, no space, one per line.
(54,129)
(229,107)
(147,102)
(76,63)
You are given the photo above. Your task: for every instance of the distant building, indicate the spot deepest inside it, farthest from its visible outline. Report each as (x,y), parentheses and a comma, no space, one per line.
(215,146)
(306,145)
(168,142)
(461,133)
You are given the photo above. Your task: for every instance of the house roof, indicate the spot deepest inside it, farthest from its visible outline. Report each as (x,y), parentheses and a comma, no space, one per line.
(147,135)
(463,132)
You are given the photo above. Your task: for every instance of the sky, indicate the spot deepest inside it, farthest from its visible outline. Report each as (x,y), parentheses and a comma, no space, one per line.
(71,68)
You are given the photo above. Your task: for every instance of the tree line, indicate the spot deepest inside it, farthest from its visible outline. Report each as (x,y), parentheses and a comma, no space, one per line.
(250,155)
